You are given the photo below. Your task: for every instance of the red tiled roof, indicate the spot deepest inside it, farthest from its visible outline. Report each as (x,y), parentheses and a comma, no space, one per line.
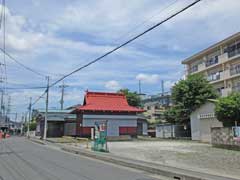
(102,101)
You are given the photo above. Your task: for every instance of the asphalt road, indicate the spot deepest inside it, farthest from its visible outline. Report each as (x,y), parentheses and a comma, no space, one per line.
(21,159)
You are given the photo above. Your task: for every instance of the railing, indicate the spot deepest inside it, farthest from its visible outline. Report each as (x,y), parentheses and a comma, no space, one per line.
(213,60)
(235,70)
(234,53)
(193,69)
(225,92)
(214,77)
(236,88)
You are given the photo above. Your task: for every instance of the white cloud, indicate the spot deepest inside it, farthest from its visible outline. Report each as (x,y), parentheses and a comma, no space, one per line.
(113,85)
(148,78)
(71,34)
(18,36)
(168,85)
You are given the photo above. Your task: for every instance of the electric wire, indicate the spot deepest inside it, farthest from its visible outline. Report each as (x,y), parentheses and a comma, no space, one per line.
(118,47)
(146,20)
(125,43)
(21,64)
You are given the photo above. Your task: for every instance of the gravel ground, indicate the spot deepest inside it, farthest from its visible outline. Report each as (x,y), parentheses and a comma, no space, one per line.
(183,154)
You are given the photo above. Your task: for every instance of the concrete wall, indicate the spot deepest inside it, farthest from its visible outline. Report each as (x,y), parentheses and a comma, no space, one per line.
(114,122)
(145,128)
(201,126)
(223,137)
(165,131)
(70,129)
(172,131)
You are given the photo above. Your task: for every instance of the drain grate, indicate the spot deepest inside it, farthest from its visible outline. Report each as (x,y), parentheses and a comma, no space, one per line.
(177,178)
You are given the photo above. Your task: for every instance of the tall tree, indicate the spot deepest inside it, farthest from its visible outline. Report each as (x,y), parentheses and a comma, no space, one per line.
(132,97)
(190,94)
(227,109)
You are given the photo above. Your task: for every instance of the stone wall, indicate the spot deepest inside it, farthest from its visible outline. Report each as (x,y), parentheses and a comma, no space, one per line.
(223,138)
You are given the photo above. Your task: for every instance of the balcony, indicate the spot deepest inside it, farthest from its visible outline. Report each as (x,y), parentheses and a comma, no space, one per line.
(234,52)
(214,77)
(235,70)
(193,69)
(223,58)
(225,92)
(212,61)
(222,75)
(236,88)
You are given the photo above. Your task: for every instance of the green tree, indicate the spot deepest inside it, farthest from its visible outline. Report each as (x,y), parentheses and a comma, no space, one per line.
(132,97)
(32,126)
(190,94)
(227,109)
(176,115)
(170,115)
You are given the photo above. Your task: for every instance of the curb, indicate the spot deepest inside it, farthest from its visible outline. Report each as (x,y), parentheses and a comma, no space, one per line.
(172,172)
(37,141)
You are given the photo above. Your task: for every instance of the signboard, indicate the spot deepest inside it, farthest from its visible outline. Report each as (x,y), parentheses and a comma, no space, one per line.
(236,133)
(100,137)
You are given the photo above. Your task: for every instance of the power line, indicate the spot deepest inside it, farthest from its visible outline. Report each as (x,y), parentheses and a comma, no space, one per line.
(118,47)
(137,26)
(21,64)
(39,98)
(125,43)
(1,15)
(146,20)
(14,88)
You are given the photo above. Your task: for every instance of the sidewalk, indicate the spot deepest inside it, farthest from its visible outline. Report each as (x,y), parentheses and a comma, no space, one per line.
(172,172)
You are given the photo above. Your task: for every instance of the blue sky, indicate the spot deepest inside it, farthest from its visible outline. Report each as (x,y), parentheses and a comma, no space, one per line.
(56,37)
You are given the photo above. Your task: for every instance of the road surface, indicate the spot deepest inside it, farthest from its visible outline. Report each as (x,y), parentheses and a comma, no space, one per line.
(21,159)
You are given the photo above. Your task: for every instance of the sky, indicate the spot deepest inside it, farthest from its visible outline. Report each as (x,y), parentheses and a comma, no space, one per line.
(55,37)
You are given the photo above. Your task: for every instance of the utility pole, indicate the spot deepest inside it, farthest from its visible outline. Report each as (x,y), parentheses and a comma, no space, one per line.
(162,87)
(46,112)
(16,116)
(8,111)
(29,116)
(63,86)
(25,120)
(139,87)
(15,125)
(22,123)
(2,107)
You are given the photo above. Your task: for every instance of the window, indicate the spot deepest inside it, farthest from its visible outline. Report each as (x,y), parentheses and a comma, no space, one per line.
(214,76)
(211,61)
(233,50)
(194,68)
(235,69)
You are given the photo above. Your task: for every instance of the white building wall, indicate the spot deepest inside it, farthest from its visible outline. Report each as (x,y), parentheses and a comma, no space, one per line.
(70,129)
(201,127)
(114,122)
(195,126)
(165,131)
(145,128)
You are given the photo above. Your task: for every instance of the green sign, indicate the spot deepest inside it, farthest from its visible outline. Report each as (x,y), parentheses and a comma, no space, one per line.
(100,137)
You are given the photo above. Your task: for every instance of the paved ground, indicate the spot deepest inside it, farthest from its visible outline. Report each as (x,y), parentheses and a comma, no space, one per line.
(182,154)
(21,159)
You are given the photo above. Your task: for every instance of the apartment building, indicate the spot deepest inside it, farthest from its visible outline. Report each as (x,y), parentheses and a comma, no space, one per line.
(220,63)
(156,105)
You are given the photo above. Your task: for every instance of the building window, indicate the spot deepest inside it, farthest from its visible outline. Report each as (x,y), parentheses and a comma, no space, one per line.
(233,50)
(211,61)
(193,69)
(214,76)
(235,69)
